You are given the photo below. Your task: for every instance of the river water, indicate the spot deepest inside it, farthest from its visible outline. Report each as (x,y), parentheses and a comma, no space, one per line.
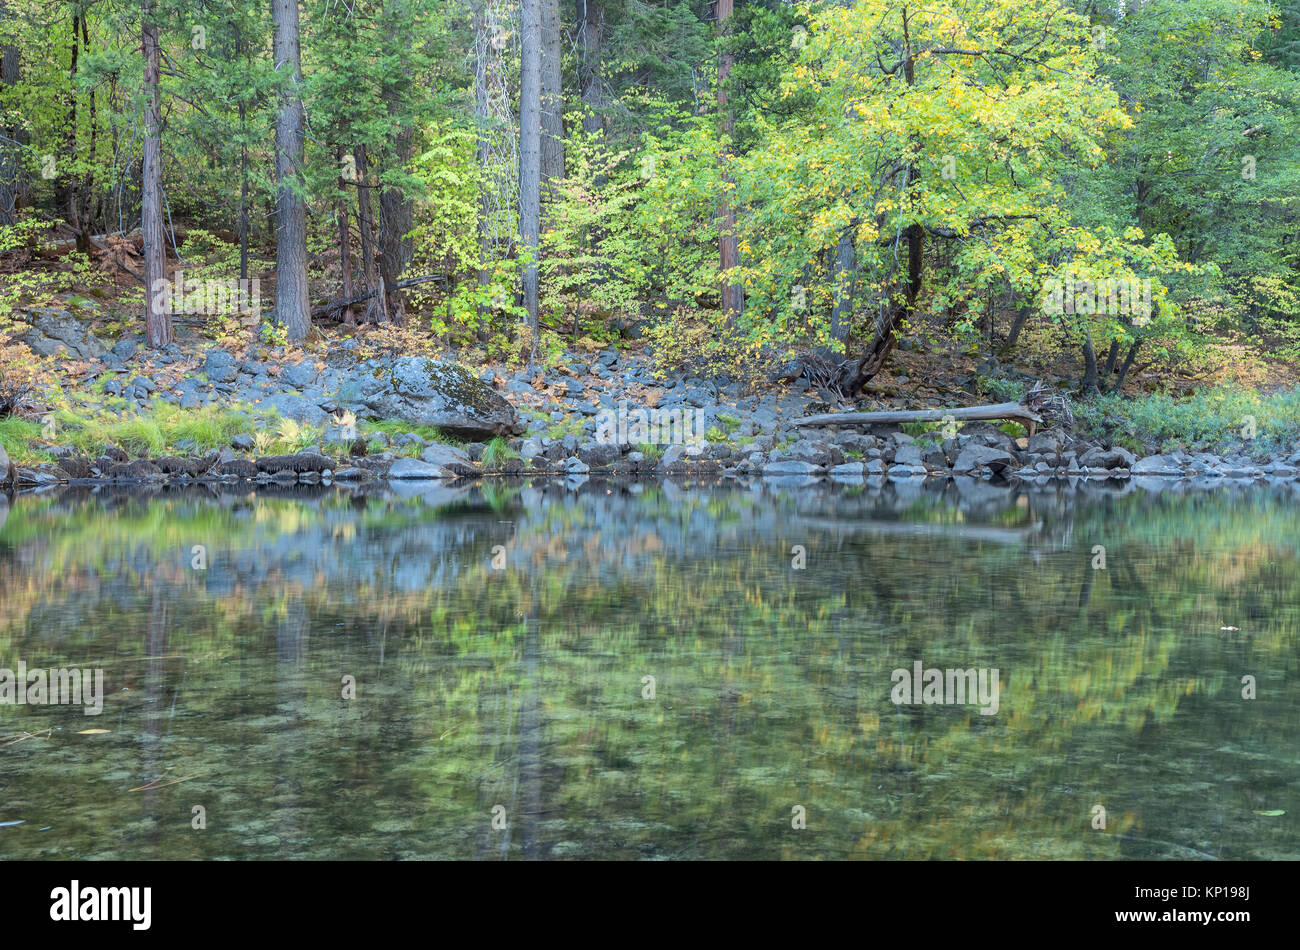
(652,671)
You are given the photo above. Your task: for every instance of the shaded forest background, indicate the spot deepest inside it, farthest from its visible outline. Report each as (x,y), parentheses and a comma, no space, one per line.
(740,183)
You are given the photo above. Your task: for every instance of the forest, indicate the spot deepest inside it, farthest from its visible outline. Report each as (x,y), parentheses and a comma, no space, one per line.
(1100,194)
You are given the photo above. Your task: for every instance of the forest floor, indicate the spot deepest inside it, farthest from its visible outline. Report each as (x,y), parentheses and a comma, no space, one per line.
(98,380)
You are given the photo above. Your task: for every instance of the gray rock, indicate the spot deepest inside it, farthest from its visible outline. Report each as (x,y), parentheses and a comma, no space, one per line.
(430,392)
(57,332)
(449,457)
(598,454)
(296,408)
(299,374)
(125,349)
(908,454)
(672,455)
(1156,465)
(4,466)
(817,454)
(1044,443)
(243,442)
(792,467)
(1107,458)
(415,468)
(851,471)
(220,367)
(975,456)
(576,466)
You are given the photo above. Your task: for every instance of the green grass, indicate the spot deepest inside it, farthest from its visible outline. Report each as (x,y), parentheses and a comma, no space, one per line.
(394,428)
(157,430)
(1218,419)
(498,451)
(17,436)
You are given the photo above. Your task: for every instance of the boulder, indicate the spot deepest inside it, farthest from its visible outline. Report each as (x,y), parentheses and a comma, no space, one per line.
(4,466)
(299,374)
(1156,465)
(600,454)
(975,456)
(57,332)
(1117,457)
(449,457)
(414,468)
(422,391)
(791,467)
(908,454)
(220,367)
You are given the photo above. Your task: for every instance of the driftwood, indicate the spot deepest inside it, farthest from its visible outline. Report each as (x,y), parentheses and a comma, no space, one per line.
(1002,410)
(1039,403)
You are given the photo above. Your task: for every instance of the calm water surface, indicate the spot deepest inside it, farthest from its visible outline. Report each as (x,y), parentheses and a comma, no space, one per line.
(523,683)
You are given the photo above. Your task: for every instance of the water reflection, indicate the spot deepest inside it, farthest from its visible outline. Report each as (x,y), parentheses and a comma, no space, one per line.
(508,712)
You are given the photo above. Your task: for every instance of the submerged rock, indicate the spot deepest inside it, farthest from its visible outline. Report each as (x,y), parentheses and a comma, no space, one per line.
(428,392)
(4,466)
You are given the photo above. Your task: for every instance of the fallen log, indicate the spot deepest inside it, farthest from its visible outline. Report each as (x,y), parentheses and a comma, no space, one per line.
(1013,411)
(336,305)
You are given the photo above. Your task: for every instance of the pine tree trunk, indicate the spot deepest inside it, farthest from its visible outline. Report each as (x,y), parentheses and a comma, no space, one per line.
(395,216)
(552,92)
(11,183)
(345,241)
(292,306)
(366,225)
(158,324)
(530,146)
(733,295)
(591,82)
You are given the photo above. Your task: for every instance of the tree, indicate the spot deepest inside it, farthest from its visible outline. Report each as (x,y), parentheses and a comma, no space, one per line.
(948,122)
(591,80)
(530,146)
(158,324)
(552,106)
(733,293)
(292,305)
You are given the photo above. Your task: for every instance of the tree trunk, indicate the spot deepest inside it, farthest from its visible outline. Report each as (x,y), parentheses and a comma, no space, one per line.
(530,145)
(591,82)
(887,323)
(158,324)
(292,305)
(11,181)
(552,92)
(85,212)
(366,225)
(345,240)
(1111,357)
(845,275)
(395,216)
(1088,386)
(733,295)
(1118,387)
(1016,326)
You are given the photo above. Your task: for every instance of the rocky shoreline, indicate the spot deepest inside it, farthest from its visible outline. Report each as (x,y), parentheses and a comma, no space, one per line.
(549,421)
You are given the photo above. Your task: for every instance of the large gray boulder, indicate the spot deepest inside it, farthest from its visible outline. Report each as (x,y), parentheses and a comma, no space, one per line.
(975,456)
(57,332)
(428,392)
(1156,465)
(4,466)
